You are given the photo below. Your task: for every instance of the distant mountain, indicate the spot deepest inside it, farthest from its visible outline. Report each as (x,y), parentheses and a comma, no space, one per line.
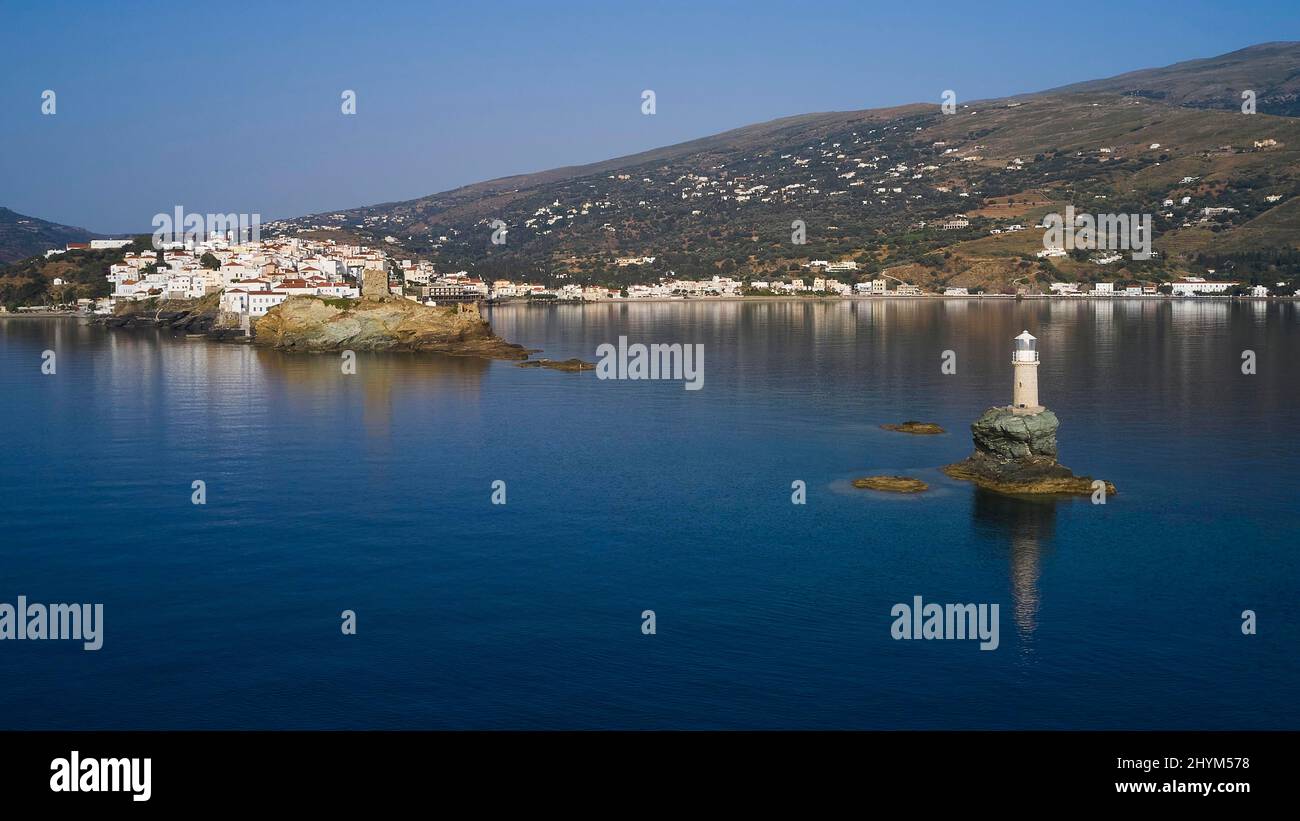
(22,236)
(884,188)
(1271,70)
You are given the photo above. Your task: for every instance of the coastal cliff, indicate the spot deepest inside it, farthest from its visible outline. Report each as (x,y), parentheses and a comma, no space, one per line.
(190,316)
(1016,454)
(310,323)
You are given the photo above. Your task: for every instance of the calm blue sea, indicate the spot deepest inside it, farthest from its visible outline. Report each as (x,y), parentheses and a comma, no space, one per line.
(372,492)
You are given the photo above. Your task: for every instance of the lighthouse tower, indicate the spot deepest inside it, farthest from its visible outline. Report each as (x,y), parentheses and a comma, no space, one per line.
(1024,361)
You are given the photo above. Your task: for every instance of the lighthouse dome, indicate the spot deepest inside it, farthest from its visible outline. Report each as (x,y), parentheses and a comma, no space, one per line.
(1026,343)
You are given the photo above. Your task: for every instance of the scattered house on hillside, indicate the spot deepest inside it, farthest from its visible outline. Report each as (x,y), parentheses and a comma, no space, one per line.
(1209,213)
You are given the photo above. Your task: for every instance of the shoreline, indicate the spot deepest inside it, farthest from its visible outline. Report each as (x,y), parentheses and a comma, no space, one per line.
(44,315)
(870,298)
(772,298)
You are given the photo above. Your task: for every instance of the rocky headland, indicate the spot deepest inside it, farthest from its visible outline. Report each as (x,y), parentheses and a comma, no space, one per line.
(318,324)
(310,323)
(1016,454)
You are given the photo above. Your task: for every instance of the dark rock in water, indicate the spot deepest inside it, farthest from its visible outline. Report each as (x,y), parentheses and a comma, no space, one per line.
(191,316)
(559,365)
(918,428)
(1016,454)
(1029,475)
(227,335)
(1007,435)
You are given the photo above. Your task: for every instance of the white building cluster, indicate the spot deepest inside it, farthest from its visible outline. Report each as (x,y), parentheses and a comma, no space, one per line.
(252,277)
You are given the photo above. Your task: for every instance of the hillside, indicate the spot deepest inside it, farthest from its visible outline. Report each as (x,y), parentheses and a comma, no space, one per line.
(876,186)
(1271,70)
(31,281)
(22,236)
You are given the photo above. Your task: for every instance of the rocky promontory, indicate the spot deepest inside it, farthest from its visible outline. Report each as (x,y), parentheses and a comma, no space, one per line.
(1016,453)
(311,323)
(318,324)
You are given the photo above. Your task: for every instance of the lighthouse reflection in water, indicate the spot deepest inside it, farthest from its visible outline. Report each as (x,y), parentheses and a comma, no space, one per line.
(1027,526)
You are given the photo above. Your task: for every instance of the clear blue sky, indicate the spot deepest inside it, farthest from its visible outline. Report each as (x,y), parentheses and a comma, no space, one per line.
(234,107)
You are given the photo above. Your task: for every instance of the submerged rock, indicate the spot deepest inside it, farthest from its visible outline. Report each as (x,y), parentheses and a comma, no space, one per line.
(559,365)
(1015,453)
(918,428)
(893,484)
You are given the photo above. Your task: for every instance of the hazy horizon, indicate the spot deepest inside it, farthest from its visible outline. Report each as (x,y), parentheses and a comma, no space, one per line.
(456,96)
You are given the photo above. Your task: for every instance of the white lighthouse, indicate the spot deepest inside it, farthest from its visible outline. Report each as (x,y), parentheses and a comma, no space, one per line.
(1024,361)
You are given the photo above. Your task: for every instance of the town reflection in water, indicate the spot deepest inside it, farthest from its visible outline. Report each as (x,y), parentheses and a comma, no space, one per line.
(379,377)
